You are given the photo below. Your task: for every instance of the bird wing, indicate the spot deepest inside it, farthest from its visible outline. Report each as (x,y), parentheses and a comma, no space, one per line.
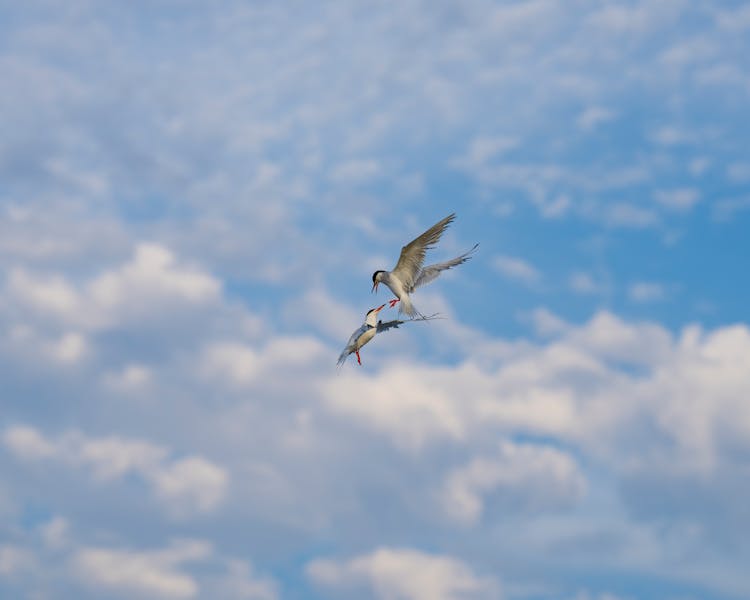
(412,255)
(388,325)
(352,343)
(430,272)
(395,323)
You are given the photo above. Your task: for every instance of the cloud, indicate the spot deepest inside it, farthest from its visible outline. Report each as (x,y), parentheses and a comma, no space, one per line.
(175,217)
(483,149)
(186,486)
(150,283)
(644,291)
(242,583)
(584,283)
(726,208)
(547,323)
(14,559)
(624,214)
(142,572)
(594,116)
(738,172)
(355,171)
(523,477)
(681,199)
(413,411)
(403,573)
(517,269)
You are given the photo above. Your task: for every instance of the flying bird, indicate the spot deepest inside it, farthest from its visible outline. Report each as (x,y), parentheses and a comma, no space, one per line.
(368,329)
(409,274)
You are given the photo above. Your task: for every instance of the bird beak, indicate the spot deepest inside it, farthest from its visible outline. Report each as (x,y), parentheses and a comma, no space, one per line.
(379,308)
(374,287)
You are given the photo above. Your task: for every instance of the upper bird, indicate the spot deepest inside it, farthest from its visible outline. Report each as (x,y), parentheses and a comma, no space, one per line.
(367,331)
(409,274)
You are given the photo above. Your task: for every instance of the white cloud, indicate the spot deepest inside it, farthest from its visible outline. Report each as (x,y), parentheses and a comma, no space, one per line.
(734,20)
(645,291)
(624,214)
(233,154)
(404,573)
(152,276)
(727,208)
(14,559)
(191,484)
(47,294)
(244,364)
(332,318)
(523,477)
(28,443)
(739,172)
(55,533)
(672,136)
(413,411)
(594,116)
(681,199)
(242,583)
(142,572)
(547,323)
(485,148)
(150,283)
(584,283)
(579,387)
(70,348)
(131,377)
(186,486)
(355,171)
(517,269)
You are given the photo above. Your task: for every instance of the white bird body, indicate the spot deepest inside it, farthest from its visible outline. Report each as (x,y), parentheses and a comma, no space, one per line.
(367,331)
(364,334)
(409,274)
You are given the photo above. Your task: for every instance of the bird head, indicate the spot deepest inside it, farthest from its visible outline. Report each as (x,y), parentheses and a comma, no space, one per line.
(372,315)
(376,276)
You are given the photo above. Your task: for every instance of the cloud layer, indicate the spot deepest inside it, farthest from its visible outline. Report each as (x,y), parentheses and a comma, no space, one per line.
(193,199)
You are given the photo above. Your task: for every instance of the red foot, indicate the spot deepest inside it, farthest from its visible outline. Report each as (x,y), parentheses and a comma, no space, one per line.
(394,302)
(359,360)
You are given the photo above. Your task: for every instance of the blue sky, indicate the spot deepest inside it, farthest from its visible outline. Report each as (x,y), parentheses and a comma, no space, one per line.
(193,198)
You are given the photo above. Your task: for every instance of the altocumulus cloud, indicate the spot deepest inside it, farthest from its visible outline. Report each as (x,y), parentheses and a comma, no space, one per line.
(402,573)
(186,485)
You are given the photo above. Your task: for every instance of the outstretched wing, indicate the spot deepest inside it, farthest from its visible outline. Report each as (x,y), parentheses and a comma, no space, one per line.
(412,255)
(388,325)
(395,323)
(430,272)
(351,345)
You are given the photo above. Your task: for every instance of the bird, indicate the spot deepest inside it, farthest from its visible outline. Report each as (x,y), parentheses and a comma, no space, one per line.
(409,274)
(368,329)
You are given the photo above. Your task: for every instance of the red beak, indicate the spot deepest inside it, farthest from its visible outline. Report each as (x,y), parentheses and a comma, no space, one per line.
(374,287)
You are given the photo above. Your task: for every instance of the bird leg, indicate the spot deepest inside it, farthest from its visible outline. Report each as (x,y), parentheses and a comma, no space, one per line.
(394,302)
(359,360)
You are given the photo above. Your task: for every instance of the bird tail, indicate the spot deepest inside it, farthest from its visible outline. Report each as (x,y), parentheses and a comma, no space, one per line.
(342,358)
(406,307)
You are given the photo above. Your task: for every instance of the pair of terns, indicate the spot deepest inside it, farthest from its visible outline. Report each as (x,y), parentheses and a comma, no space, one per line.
(406,276)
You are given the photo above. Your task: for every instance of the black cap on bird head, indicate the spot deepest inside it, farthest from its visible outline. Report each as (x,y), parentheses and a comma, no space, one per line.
(376,309)
(375,281)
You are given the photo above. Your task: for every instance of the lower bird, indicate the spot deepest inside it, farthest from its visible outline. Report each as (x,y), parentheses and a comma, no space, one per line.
(368,329)
(409,274)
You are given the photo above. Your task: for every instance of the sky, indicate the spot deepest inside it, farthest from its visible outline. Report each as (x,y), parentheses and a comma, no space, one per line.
(193,199)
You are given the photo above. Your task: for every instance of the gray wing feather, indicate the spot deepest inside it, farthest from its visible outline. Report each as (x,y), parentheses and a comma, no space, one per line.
(388,325)
(395,323)
(412,255)
(351,344)
(430,272)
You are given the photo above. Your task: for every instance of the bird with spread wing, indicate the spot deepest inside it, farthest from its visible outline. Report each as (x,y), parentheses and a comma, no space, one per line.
(409,272)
